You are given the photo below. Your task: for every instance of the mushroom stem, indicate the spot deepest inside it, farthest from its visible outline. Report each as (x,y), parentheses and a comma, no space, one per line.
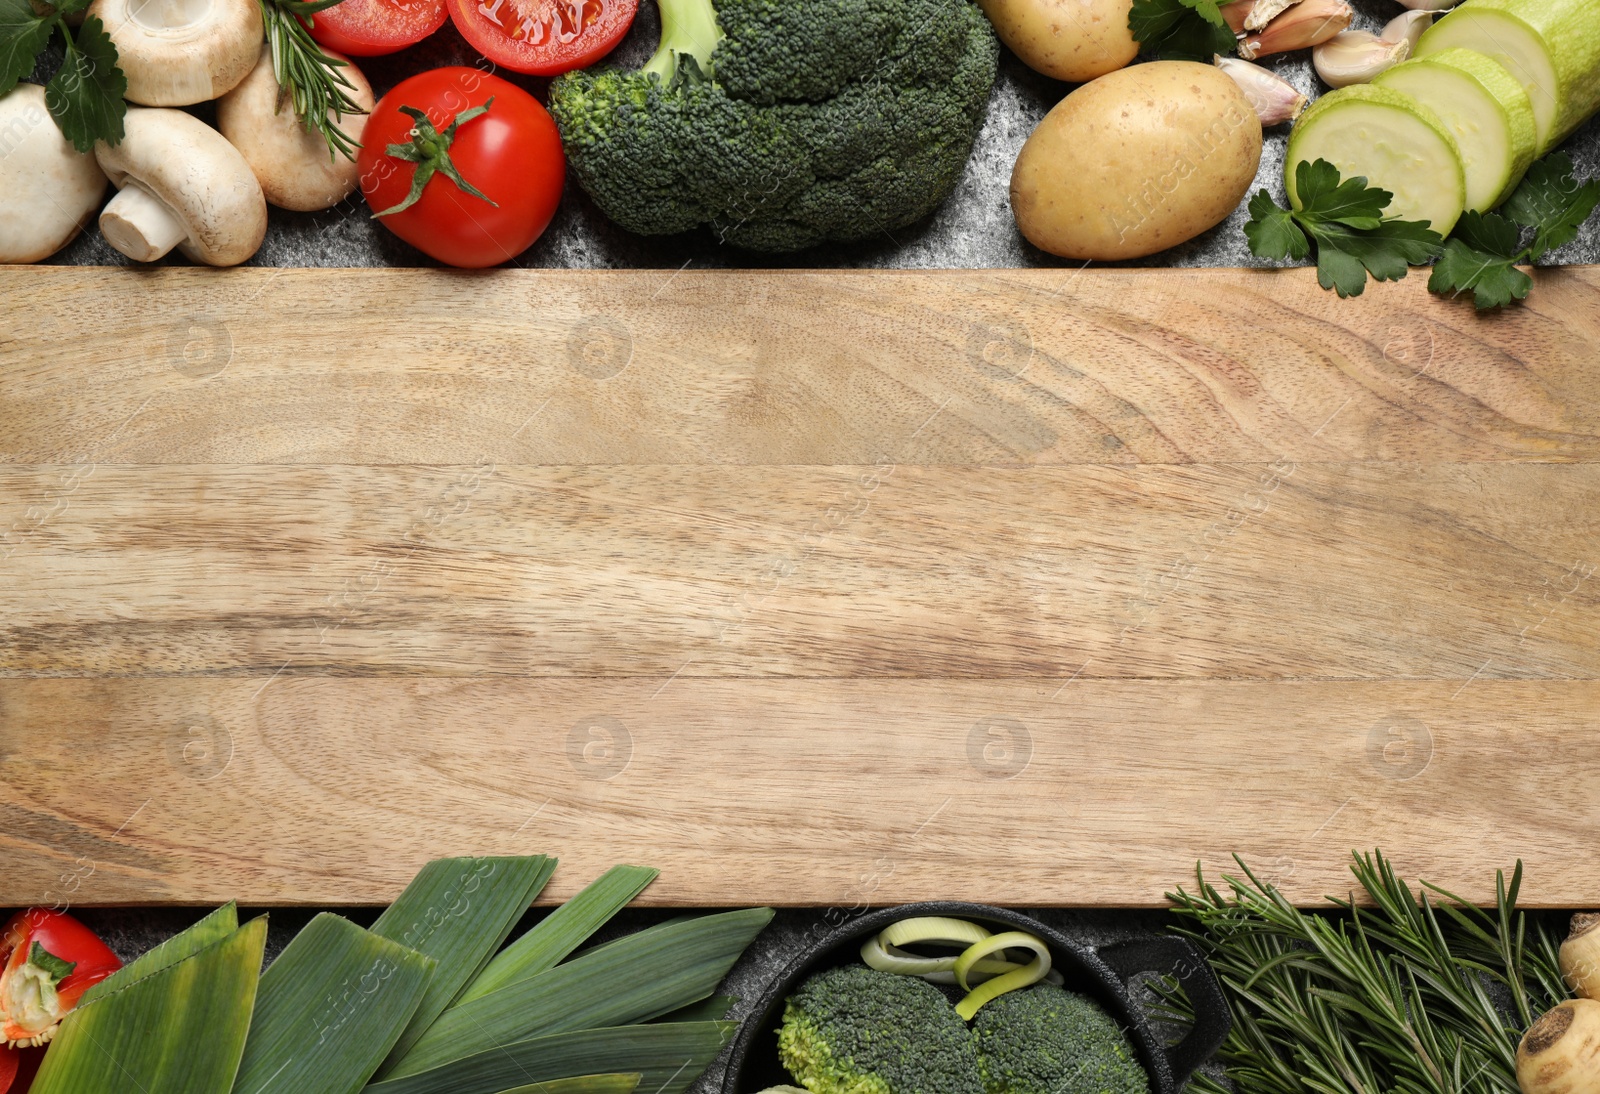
(140,225)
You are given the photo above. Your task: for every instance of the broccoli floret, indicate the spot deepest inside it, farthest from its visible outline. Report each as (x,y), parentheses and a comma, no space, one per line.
(1046,1040)
(783,125)
(855,1030)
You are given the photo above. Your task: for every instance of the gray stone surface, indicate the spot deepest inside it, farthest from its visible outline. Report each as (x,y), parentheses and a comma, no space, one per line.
(973,229)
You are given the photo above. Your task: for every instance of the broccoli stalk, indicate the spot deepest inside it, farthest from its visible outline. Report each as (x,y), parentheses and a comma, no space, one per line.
(689,29)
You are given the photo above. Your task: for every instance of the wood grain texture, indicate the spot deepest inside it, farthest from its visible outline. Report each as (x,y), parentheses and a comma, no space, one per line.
(808,587)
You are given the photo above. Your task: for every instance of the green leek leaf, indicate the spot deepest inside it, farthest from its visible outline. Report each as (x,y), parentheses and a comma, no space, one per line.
(459,911)
(179,1029)
(563,930)
(209,931)
(668,1057)
(708,1009)
(329,1010)
(633,978)
(583,1084)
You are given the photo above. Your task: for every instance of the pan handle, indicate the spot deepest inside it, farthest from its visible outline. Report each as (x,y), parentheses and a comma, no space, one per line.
(1179,958)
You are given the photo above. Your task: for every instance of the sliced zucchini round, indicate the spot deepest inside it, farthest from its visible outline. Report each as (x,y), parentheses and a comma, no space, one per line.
(1392,140)
(1487,111)
(1552,47)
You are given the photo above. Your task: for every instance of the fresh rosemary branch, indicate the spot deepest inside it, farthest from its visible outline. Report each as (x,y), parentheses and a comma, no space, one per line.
(310,78)
(1418,993)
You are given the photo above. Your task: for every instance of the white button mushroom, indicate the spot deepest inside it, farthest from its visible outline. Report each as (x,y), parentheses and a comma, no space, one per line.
(294,165)
(181,52)
(181,185)
(48,189)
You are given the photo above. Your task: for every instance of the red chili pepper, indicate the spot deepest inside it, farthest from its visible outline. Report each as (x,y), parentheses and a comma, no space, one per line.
(10,1061)
(47,961)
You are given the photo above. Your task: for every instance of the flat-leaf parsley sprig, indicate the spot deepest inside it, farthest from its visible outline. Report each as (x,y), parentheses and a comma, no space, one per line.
(1181,29)
(1543,213)
(85,95)
(1343,220)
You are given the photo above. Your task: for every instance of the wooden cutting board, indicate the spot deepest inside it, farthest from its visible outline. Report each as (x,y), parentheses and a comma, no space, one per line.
(821,588)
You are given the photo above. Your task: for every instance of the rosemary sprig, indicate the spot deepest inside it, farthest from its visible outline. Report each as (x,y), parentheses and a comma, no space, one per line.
(310,78)
(1414,993)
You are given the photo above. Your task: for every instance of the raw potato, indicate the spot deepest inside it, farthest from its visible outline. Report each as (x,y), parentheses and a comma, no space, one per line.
(1072,40)
(1136,162)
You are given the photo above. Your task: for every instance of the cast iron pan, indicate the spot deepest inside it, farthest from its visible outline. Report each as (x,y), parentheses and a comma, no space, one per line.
(1101,974)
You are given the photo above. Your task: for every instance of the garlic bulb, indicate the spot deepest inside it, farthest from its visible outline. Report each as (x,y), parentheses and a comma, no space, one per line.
(1308,23)
(1558,1053)
(1274,99)
(1580,955)
(1407,27)
(1356,57)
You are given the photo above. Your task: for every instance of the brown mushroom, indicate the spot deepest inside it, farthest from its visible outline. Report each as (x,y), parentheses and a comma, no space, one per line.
(180,184)
(48,189)
(181,52)
(294,165)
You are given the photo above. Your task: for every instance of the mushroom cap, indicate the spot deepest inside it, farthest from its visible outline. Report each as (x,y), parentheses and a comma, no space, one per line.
(48,189)
(198,175)
(294,166)
(181,52)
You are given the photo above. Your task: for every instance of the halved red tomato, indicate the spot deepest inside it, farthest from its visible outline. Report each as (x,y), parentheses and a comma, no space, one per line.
(543,37)
(372,28)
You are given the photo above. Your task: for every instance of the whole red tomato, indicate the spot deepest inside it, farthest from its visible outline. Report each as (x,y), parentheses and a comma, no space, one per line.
(463,166)
(372,28)
(543,37)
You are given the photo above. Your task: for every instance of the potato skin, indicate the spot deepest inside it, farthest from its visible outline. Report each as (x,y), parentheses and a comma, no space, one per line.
(1072,40)
(1136,162)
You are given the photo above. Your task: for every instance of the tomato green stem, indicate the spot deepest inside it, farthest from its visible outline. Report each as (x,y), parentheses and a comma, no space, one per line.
(430,151)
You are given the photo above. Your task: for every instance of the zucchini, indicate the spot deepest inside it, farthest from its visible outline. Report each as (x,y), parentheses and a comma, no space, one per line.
(1487,111)
(1394,141)
(1551,46)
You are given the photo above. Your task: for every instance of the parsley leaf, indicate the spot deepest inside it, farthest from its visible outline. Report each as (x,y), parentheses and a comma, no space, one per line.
(23,34)
(1487,248)
(1273,232)
(85,95)
(1481,258)
(1181,29)
(1553,203)
(1345,220)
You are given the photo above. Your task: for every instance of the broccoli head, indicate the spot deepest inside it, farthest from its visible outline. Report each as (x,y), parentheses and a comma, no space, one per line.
(855,1030)
(782,124)
(1046,1040)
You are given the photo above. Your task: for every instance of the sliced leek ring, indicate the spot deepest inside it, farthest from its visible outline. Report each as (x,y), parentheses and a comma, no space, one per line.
(983,968)
(886,958)
(1031,973)
(933,930)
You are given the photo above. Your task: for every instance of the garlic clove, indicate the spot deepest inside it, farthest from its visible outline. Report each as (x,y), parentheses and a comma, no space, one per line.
(1308,23)
(1237,13)
(1265,11)
(1274,99)
(1407,27)
(1356,57)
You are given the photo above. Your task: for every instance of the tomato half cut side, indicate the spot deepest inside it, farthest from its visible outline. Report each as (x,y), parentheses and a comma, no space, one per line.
(543,37)
(373,28)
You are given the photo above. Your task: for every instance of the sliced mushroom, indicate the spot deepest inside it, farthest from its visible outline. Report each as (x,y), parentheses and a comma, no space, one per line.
(294,165)
(48,189)
(181,52)
(181,184)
